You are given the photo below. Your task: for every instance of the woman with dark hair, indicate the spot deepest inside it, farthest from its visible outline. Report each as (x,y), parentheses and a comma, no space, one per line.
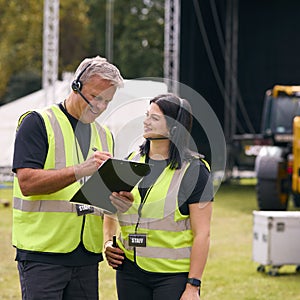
(164,237)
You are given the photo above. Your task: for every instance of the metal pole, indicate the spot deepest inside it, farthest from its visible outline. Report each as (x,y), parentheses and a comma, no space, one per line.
(234,85)
(50,48)
(227,91)
(172,44)
(109,35)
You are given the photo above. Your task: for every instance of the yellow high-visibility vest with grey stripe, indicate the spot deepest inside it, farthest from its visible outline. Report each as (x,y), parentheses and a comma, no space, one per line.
(169,234)
(49,223)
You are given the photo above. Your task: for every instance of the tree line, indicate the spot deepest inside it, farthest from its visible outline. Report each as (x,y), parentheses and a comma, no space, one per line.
(138,38)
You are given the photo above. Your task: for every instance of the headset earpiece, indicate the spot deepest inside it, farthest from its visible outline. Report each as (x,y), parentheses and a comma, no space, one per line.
(76,84)
(172,130)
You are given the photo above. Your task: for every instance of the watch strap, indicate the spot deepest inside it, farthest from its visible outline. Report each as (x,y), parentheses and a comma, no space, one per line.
(194,282)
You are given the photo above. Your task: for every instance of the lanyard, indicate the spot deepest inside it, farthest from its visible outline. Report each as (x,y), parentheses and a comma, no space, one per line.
(141,207)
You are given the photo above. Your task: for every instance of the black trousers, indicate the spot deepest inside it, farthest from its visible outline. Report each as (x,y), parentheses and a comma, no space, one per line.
(136,284)
(40,281)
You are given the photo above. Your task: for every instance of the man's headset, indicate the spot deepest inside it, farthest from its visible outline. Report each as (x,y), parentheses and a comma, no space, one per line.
(77,86)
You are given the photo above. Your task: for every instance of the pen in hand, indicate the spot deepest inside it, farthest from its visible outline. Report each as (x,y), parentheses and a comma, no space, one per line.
(103,155)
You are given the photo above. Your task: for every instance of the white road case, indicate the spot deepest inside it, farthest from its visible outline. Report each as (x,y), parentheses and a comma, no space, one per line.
(276,239)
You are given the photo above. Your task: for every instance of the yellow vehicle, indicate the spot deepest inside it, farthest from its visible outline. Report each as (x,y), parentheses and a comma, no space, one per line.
(296,161)
(277,164)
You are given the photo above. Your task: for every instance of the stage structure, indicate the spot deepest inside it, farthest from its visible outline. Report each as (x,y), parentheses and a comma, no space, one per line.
(171,44)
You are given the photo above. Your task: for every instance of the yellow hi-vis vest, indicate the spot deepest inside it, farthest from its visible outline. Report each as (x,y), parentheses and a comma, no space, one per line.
(49,223)
(169,234)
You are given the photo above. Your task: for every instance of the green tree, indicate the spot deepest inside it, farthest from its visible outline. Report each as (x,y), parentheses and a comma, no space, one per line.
(20,43)
(139,37)
(74,36)
(97,26)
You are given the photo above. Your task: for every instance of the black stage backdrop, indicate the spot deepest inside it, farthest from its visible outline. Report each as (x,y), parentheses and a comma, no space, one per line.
(268,52)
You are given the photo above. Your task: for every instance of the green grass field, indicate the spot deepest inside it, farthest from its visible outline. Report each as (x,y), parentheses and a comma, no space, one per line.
(230,273)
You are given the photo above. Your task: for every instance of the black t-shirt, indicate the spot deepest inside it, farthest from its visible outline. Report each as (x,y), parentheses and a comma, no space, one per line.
(31,147)
(196,185)
(31,143)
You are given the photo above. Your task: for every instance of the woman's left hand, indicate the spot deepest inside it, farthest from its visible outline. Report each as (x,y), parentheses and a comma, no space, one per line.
(122,201)
(190,293)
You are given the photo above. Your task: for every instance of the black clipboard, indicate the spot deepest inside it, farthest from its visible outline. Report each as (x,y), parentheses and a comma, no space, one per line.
(114,175)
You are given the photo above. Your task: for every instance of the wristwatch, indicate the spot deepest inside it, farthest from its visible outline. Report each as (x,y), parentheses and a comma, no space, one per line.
(194,282)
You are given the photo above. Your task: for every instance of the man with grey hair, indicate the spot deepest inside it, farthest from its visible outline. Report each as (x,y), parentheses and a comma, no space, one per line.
(59,244)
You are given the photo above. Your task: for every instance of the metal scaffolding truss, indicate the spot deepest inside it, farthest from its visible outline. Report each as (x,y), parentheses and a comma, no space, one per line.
(172,44)
(50,47)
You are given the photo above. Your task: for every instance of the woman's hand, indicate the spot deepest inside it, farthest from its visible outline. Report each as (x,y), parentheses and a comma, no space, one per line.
(190,293)
(114,255)
(122,201)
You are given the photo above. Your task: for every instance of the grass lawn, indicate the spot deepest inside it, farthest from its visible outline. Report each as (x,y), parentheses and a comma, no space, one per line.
(230,273)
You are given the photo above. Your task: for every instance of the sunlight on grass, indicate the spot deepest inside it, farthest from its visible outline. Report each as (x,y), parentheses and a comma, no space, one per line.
(107,282)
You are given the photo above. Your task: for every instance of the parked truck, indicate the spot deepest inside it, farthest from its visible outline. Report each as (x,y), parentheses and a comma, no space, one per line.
(275,152)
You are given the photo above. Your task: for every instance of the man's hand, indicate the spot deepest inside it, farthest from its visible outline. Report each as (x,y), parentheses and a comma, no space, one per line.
(122,201)
(91,165)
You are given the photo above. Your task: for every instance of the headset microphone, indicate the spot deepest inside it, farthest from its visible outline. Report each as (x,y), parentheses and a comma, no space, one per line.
(157,138)
(85,99)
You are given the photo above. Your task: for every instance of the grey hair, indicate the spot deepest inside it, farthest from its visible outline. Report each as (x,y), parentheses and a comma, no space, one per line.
(98,66)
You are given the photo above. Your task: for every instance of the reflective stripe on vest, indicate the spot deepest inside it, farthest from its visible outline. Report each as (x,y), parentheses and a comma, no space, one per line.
(49,206)
(49,223)
(170,226)
(100,136)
